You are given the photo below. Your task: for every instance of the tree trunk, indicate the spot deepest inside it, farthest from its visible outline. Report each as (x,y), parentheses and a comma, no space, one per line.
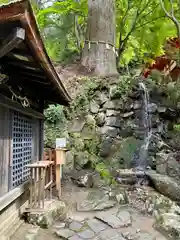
(99,54)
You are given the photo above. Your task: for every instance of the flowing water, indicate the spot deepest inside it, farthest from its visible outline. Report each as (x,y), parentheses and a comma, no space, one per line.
(146,121)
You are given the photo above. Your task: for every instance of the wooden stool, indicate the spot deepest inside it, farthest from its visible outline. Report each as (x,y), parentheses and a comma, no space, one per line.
(41,181)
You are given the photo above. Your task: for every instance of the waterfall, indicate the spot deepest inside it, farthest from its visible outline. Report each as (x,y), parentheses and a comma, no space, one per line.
(146,121)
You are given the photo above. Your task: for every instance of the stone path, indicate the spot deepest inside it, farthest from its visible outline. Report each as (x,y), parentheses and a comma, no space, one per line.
(120,222)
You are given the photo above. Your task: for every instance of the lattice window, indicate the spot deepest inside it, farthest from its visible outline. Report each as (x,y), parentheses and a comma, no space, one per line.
(22,141)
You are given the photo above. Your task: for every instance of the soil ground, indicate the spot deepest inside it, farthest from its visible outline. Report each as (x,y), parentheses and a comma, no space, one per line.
(141,227)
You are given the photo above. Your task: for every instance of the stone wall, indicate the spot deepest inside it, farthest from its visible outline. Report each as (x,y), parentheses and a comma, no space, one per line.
(105,124)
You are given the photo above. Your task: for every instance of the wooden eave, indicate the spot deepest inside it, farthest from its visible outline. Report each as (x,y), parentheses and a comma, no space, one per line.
(39,68)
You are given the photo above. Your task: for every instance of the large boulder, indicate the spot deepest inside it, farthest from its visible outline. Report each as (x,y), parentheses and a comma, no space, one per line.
(81,159)
(109,131)
(168,164)
(77,125)
(101,97)
(165,185)
(100,119)
(114,122)
(106,147)
(94,107)
(114,104)
(111,112)
(169,223)
(69,165)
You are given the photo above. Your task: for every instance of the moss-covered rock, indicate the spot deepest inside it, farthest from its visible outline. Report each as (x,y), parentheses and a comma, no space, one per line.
(125,151)
(56,210)
(81,159)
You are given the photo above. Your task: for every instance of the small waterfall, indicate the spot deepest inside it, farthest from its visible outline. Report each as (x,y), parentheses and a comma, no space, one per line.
(146,121)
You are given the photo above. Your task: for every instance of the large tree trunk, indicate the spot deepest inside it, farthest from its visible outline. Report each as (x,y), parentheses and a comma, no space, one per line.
(97,56)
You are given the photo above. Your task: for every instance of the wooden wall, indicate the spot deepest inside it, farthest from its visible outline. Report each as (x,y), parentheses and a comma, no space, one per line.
(36,140)
(4,149)
(6,146)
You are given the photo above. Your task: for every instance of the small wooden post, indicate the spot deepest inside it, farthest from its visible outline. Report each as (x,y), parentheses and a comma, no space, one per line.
(60,160)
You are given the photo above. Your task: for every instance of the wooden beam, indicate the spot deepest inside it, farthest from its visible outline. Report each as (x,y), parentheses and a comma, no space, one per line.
(22,51)
(6,102)
(35,80)
(15,56)
(36,76)
(12,41)
(23,65)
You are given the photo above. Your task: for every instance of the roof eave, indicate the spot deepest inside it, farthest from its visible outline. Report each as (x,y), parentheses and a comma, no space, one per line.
(23,12)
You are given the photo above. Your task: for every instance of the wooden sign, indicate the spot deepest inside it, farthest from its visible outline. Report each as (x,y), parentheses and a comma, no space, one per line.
(60,142)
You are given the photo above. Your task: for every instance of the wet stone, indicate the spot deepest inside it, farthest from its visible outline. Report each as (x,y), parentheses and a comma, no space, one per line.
(110,219)
(60,225)
(125,217)
(96,225)
(145,236)
(86,234)
(32,234)
(30,237)
(131,235)
(94,205)
(75,237)
(33,230)
(109,234)
(64,233)
(75,226)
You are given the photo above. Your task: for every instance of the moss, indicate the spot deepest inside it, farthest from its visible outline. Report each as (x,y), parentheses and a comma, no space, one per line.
(122,89)
(122,152)
(90,122)
(93,145)
(81,159)
(105,173)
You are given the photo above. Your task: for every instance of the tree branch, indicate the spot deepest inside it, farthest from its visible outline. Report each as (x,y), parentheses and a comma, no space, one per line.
(123,22)
(172,17)
(145,7)
(124,41)
(152,20)
(147,14)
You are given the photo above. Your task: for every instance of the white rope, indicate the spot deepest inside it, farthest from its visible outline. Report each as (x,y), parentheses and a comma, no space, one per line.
(108,45)
(23,100)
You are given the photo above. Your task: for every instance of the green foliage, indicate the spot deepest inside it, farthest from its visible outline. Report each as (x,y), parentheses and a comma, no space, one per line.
(177,127)
(81,103)
(77,142)
(141,27)
(62,25)
(4,2)
(54,114)
(104,172)
(173,91)
(123,88)
(54,124)
(92,145)
(51,132)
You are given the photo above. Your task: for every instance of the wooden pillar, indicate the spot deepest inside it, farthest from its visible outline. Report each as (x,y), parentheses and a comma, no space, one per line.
(60,160)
